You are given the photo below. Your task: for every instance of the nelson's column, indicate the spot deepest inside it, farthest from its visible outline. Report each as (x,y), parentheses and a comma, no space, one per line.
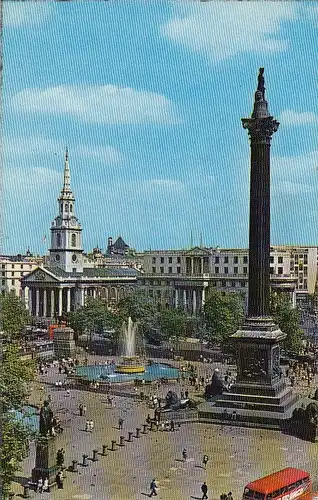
(259,394)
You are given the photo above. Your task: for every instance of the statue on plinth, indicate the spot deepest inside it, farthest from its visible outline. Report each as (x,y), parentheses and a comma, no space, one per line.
(217,386)
(46,420)
(261,82)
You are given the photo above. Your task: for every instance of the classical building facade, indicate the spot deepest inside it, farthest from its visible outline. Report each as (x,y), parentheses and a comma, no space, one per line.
(68,276)
(13,268)
(182,278)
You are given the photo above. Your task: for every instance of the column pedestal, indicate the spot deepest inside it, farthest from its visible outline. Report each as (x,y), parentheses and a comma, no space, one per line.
(45,461)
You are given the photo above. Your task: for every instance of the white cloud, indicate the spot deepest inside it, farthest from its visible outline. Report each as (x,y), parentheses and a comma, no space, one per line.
(25,12)
(163,184)
(35,146)
(295,174)
(290,117)
(223,29)
(108,104)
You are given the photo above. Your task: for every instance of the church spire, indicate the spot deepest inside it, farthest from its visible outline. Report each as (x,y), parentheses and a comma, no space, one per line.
(67,175)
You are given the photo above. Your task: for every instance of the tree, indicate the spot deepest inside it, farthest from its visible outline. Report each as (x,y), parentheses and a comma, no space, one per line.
(224,314)
(13,316)
(94,316)
(140,308)
(288,320)
(172,323)
(14,377)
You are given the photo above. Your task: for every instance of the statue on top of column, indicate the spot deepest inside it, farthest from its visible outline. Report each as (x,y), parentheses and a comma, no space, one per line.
(261,82)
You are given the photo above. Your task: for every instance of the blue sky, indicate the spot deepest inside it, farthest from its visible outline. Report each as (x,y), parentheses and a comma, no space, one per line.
(148,97)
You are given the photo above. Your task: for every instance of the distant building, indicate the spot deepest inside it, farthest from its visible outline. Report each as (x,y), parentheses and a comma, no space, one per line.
(13,268)
(68,275)
(117,248)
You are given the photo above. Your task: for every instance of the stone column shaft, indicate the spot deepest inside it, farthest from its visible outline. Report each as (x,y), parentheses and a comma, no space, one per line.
(37,302)
(52,303)
(44,303)
(60,301)
(68,301)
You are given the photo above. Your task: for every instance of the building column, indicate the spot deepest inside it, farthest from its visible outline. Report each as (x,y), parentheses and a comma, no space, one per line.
(37,302)
(192,265)
(176,303)
(202,265)
(60,301)
(30,301)
(203,297)
(294,298)
(184,298)
(44,303)
(25,297)
(194,301)
(52,303)
(82,302)
(68,300)
(94,293)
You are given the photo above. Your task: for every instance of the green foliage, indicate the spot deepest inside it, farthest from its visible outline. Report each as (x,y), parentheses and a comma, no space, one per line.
(94,316)
(13,315)
(172,323)
(14,448)
(224,314)
(288,320)
(140,308)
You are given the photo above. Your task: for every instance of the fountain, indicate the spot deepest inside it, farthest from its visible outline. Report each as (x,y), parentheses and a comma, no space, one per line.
(130,362)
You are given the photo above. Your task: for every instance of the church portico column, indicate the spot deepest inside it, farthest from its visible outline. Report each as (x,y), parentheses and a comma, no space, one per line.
(44,303)
(194,301)
(68,300)
(184,298)
(192,265)
(52,303)
(82,291)
(176,298)
(30,301)
(37,302)
(94,293)
(60,307)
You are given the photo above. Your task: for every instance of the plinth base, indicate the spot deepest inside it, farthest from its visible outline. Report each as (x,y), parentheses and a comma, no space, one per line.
(45,461)
(259,396)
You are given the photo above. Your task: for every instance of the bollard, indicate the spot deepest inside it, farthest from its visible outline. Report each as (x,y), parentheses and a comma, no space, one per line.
(152,425)
(122,439)
(104,449)
(85,464)
(95,459)
(137,432)
(145,427)
(130,436)
(26,491)
(113,445)
(74,465)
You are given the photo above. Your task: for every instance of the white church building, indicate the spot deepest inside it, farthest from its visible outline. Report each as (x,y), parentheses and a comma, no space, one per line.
(68,277)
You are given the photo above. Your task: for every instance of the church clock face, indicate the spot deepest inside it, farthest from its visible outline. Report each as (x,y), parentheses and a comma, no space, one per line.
(57,257)
(73,221)
(74,258)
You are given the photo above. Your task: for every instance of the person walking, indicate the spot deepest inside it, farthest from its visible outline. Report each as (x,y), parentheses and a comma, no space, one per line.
(81,410)
(184,454)
(205,460)
(153,488)
(87,426)
(91,425)
(59,480)
(172,425)
(40,485)
(204,490)
(46,486)
(120,423)
(229,496)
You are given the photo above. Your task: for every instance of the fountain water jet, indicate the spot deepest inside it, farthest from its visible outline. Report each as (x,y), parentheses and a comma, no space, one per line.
(130,362)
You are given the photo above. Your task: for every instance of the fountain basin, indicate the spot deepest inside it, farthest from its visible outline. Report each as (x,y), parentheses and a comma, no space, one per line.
(108,373)
(130,364)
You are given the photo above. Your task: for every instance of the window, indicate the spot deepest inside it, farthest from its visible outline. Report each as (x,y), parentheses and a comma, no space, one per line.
(223,284)
(305,259)
(21,266)
(226,260)
(150,293)
(226,270)
(235,270)
(162,270)
(3,266)
(158,293)
(3,282)
(305,271)
(179,260)
(12,266)
(3,273)
(178,270)
(66,207)
(216,270)
(271,259)
(271,271)
(61,207)
(12,274)
(280,270)
(235,259)
(162,259)
(243,284)
(12,282)
(245,259)
(280,260)
(244,270)
(71,208)
(233,284)
(170,270)
(73,240)
(58,239)
(153,260)
(170,260)
(154,270)
(305,284)
(217,260)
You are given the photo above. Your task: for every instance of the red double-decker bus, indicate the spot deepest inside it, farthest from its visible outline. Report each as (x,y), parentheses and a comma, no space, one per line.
(286,484)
